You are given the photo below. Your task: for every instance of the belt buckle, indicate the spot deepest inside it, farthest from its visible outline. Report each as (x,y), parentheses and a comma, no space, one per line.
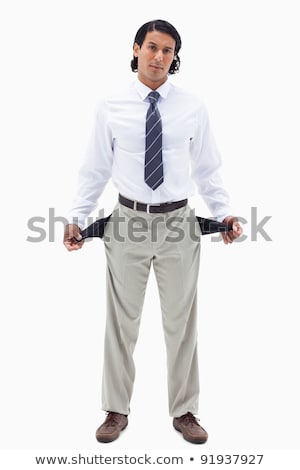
(153,205)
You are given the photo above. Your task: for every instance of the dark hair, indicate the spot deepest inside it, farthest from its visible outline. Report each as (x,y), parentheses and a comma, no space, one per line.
(164,27)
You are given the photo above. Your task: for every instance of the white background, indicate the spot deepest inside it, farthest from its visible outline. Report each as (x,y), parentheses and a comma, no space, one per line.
(57,58)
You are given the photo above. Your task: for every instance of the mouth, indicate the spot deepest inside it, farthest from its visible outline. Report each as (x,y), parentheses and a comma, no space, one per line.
(156,67)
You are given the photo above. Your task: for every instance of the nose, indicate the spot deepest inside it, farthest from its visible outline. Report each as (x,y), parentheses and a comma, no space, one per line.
(159,56)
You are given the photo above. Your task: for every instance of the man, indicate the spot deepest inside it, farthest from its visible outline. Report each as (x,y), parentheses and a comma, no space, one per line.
(154,140)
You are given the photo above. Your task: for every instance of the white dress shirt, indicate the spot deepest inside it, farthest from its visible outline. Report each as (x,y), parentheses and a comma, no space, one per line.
(117,149)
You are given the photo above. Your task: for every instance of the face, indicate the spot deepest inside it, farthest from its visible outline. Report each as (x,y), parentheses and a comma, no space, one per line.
(155,57)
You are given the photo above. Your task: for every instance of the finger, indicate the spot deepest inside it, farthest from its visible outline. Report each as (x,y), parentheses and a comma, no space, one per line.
(230,236)
(237,227)
(225,237)
(237,231)
(71,245)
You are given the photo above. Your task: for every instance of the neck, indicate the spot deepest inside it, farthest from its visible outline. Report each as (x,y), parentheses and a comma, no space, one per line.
(152,85)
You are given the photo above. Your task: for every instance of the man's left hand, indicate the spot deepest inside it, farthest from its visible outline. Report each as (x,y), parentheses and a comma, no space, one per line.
(236,231)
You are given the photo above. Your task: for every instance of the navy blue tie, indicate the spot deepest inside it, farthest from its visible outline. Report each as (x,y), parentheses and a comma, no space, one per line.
(153,147)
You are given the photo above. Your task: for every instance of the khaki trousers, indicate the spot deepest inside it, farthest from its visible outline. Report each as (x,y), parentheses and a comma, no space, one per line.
(134,240)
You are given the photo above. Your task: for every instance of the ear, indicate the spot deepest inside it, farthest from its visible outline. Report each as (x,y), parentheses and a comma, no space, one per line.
(136,49)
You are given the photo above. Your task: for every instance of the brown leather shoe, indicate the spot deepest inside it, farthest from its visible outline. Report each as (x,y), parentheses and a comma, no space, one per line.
(111,429)
(190,428)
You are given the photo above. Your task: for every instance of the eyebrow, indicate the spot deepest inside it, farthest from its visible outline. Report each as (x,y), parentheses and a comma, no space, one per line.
(165,47)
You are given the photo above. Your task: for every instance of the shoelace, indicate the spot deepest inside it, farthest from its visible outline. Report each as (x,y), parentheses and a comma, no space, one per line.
(111,418)
(190,418)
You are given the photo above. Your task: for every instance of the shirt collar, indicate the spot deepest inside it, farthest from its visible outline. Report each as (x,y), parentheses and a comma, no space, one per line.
(144,90)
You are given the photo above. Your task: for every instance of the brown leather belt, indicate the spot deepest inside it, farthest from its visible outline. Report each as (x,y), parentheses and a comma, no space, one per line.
(152,208)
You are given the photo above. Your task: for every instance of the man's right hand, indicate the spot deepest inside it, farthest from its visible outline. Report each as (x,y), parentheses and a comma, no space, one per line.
(72,237)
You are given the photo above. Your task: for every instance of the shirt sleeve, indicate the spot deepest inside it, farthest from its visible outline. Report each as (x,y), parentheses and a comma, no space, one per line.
(206,164)
(96,168)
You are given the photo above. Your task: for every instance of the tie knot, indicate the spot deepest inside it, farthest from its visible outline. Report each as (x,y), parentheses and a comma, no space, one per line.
(153,96)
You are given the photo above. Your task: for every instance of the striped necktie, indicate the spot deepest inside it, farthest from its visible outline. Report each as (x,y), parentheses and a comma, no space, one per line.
(153,148)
